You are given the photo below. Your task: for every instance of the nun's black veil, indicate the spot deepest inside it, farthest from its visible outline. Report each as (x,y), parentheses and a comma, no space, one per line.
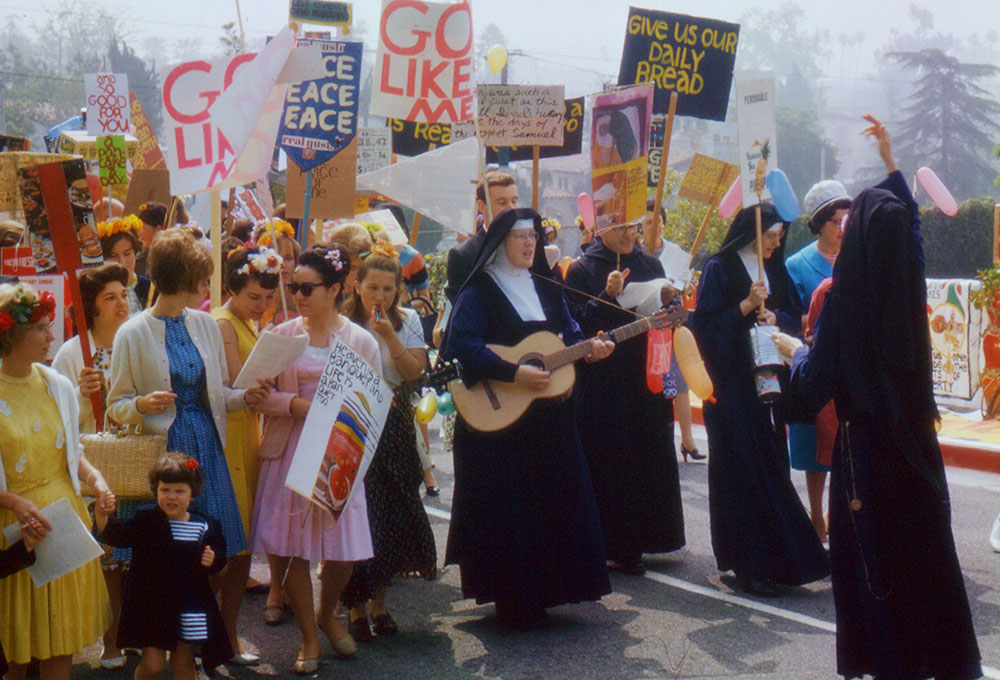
(743,231)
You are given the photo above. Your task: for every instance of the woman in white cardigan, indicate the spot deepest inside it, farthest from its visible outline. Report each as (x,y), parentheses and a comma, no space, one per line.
(169,375)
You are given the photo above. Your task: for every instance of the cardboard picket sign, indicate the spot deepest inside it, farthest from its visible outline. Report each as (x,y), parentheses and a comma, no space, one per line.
(572,138)
(332,187)
(693,56)
(147,186)
(756,134)
(107,97)
(424,70)
(148,154)
(707,179)
(521,115)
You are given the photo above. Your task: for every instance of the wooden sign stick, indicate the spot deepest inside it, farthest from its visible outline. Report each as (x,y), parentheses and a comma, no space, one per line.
(668,129)
(712,207)
(482,177)
(215,229)
(760,249)
(304,226)
(415,229)
(535,156)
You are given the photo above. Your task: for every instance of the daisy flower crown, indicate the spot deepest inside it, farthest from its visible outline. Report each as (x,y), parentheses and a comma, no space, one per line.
(265,261)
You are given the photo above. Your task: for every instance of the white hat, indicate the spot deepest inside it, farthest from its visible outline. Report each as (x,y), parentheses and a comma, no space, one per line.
(823,194)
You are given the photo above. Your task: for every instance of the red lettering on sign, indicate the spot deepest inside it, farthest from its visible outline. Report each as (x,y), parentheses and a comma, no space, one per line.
(440,41)
(421,36)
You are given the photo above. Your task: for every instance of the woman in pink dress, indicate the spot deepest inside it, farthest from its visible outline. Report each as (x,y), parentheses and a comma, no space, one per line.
(290,529)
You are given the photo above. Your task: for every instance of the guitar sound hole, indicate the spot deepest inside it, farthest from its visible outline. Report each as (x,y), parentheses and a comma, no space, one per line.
(534,362)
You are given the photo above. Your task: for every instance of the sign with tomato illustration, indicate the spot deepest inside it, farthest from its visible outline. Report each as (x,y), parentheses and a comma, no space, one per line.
(955,333)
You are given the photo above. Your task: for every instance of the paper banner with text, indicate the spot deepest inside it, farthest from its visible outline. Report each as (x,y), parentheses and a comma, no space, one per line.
(707,179)
(572,138)
(374,149)
(332,187)
(439,184)
(112,160)
(619,145)
(9,143)
(326,12)
(148,154)
(756,130)
(108,108)
(247,206)
(221,116)
(955,333)
(413,139)
(425,69)
(10,163)
(79,143)
(690,55)
(147,186)
(321,116)
(341,432)
(521,115)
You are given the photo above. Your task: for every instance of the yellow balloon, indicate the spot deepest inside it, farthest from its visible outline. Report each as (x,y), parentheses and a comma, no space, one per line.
(693,368)
(496,57)
(427,407)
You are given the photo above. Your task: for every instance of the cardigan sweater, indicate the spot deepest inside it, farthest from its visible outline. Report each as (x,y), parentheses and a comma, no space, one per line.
(139,365)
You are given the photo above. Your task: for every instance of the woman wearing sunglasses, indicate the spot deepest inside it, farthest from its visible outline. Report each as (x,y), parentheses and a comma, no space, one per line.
(290,529)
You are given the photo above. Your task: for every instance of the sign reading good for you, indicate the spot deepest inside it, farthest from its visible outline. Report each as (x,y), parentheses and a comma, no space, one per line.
(424,70)
(107,103)
(690,55)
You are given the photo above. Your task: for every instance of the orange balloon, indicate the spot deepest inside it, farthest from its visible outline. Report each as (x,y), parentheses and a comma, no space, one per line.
(692,367)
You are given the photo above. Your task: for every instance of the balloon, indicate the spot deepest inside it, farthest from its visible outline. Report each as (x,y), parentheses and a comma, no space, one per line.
(938,192)
(693,368)
(731,200)
(496,57)
(427,407)
(586,205)
(781,193)
(445,405)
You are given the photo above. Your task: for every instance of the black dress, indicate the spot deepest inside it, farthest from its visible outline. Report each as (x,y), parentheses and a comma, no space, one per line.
(166,580)
(902,609)
(525,529)
(759,528)
(12,560)
(627,431)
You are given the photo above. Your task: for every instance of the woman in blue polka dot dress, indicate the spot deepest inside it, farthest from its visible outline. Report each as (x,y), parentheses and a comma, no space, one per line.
(170,375)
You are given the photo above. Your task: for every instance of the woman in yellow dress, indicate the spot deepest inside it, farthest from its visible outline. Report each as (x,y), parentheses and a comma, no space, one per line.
(41,462)
(251,278)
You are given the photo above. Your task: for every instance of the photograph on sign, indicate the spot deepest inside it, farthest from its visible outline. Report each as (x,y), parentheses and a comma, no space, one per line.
(707,179)
(424,70)
(572,138)
(756,133)
(10,163)
(108,109)
(521,115)
(692,56)
(374,149)
(619,145)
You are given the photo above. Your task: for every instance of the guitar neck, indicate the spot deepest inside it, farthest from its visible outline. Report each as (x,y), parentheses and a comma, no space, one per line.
(581,349)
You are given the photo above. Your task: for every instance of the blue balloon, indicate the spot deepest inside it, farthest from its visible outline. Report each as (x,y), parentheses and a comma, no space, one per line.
(781,193)
(445,404)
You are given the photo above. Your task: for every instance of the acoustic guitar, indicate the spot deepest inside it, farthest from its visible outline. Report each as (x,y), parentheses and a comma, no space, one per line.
(494,405)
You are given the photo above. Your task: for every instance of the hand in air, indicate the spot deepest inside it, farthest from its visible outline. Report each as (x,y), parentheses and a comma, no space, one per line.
(616,283)
(881,135)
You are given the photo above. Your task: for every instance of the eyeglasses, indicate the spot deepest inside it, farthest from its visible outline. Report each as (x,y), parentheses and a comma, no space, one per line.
(529,235)
(306,288)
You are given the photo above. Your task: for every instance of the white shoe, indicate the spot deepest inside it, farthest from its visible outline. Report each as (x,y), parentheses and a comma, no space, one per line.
(995,535)
(113,663)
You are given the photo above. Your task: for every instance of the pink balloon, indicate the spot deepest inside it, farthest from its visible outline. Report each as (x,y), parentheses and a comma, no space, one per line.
(938,192)
(586,205)
(731,201)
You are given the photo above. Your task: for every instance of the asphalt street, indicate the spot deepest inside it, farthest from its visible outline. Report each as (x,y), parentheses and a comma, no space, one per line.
(683,619)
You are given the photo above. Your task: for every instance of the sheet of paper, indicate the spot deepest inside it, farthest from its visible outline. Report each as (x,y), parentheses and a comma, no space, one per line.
(675,261)
(271,355)
(65,549)
(644,296)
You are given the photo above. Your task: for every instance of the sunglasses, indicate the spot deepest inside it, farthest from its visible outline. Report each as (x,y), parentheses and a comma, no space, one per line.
(306,288)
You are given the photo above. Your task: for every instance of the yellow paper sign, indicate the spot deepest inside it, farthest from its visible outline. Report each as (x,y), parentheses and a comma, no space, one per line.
(707,179)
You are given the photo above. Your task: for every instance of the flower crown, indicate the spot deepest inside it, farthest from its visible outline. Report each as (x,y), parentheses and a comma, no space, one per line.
(24,310)
(551,222)
(265,261)
(384,249)
(372,227)
(281,228)
(118,225)
(333,257)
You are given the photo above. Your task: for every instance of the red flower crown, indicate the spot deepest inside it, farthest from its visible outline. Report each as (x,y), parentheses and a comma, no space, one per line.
(24,310)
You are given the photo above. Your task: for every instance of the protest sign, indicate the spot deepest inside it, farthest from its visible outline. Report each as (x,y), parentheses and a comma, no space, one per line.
(246,199)
(332,187)
(756,131)
(108,108)
(955,332)
(618,147)
(9,143)
(656,133)
(515,115)
(148,154)
(147,186)
(693,56)
(413,139)
(341,431)
(10,163)
(572,138)
(424,69)
(374,149)
(111,160)
(321,116)
(707,179)
(326,12)
(439,184)
(79,143)
(17,261)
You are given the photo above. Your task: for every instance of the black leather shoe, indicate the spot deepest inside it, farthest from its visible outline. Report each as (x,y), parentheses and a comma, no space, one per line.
(634,567)
(359,630)
(753,587)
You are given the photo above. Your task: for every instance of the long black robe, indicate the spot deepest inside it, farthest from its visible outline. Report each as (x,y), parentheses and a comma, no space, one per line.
(759,528)
(902,609)
(627,431)
(524,529)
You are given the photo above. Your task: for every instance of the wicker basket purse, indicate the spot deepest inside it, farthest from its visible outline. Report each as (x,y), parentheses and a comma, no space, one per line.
(124,459)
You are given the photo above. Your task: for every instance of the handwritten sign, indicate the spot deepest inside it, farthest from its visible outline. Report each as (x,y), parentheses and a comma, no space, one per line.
(148,156)
(108,108)
(572,138)
(374,149)
(756,133)
(79,143)
(341,432)
(955,333)
(424,69)
(618,147)
(321,12)
(515,115)
(332,187)
(707,179)
(321,115)
(690,55)
(112,160)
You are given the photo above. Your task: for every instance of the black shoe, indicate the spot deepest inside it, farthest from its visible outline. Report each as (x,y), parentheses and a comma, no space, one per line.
(693,453)
(434,490)
(633,567)
(753,587)
(384,625)
(359,630)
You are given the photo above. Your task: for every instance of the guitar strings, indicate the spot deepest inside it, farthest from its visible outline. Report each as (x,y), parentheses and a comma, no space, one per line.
(588,295)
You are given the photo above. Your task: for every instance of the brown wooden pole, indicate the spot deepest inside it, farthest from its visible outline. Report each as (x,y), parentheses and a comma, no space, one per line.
(535,156)
(760,249)
(415,229)
(701,234)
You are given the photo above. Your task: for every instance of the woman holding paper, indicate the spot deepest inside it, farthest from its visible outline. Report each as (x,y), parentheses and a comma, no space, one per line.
(289,528)
(251,278)
(41,462)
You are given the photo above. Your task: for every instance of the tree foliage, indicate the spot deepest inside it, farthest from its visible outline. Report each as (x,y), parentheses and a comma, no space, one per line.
(958,246)
(684,217)
(802,149)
